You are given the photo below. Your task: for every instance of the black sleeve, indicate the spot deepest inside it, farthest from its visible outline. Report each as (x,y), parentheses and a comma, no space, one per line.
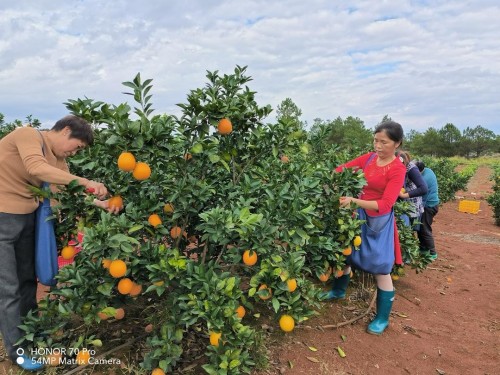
(418,180)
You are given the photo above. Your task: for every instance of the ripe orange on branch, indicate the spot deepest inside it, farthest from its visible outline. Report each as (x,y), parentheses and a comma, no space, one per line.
(250,257)
(136,290)
(83,357)
(115,202)
(117,268)
(347,251)
(154,220)
(225,126)
(142,171)
(214,338)
(68,252)
(119,313)
(126,162)
(240,311)
(125,285)
(175,232)
(291,284)
(158,371)
(357,241)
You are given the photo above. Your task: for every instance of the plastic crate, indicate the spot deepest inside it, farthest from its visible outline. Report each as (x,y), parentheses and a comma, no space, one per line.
(471,207)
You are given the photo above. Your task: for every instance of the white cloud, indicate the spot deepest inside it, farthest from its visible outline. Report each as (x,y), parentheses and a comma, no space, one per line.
(424,63)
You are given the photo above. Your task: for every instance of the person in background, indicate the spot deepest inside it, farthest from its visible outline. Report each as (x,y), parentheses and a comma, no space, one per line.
(30,157)
(384,175)
(414,188)
(431,208)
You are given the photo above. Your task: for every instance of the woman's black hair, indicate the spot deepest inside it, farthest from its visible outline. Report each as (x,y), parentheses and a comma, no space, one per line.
(393,130)
(420,165)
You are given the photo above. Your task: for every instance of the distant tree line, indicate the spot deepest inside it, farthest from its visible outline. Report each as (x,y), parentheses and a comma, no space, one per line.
(352,134)
(6,128)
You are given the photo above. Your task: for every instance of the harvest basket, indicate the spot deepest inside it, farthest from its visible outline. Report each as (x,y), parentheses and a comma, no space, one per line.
(471,207)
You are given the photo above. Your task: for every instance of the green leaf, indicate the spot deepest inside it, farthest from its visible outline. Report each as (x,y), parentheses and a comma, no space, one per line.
(341,352)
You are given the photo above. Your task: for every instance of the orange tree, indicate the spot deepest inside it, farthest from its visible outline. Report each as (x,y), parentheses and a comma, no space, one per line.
(217,191)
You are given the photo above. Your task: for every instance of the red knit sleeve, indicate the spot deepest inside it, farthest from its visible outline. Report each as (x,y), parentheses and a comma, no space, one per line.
(358,163)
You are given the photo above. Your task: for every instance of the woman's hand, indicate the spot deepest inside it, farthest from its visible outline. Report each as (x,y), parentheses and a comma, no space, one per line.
(346,201)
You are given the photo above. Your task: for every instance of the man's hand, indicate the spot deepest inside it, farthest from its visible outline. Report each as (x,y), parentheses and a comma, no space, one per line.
(98,189)
(105,206)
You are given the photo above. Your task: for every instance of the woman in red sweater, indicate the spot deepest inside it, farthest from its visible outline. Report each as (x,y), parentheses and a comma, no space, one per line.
(379,249)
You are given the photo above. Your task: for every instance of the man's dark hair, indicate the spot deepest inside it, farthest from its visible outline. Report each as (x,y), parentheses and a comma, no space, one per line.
(393,130)
(80,128)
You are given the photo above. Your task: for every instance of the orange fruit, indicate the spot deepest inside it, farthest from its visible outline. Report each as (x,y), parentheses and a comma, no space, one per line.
(291,284)
(119,313)
(126,162)
(285,159)
(287,323)
(268,292)
(83,357)
(326,275)
(250,257)
(214,338)
(102,316)
(394,277)
(225,126)
(125,285)
(115,202)
(347,251)
(339,273)
(68,252)
(154,220)
(54,359)
(168,208)
(175,232)
(240,311)
(136,290)
(357,241)
(158,371)
(141,171)
(403,190)
(117,268)
(106,263)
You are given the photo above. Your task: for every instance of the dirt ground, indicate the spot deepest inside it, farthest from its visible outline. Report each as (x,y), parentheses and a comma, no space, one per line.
(445,320)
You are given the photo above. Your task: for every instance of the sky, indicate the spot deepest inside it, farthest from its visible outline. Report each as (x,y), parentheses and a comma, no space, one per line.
(425,63)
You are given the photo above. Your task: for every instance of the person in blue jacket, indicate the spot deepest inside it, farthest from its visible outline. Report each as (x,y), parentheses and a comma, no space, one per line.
(431,208)
(414,188)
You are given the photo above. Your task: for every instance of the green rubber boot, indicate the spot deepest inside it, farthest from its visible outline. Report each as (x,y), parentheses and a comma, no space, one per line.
(384,307)
(338,290)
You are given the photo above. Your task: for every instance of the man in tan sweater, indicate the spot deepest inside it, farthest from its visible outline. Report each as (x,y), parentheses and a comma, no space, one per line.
(23,163)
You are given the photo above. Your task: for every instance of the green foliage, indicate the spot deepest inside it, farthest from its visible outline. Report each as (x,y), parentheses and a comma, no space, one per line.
(494,198)
(6,128)
(448,141)
(449,181)
(349,133)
